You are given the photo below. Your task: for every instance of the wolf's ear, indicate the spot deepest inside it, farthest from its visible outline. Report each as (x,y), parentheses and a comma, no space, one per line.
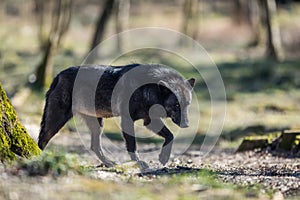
(163,86)
(191,82)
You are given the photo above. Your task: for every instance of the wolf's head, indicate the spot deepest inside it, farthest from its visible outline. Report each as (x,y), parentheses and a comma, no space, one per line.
(176,99)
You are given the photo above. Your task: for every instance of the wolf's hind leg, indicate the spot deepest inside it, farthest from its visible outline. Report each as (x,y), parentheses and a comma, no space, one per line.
(96,126)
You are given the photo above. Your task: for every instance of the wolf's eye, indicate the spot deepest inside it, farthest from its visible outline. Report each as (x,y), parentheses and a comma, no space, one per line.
(177,105)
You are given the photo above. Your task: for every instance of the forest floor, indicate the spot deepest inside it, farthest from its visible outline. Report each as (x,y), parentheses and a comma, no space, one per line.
(221,174)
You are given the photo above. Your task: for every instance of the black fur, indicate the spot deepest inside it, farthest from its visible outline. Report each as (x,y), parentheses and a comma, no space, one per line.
(164,87)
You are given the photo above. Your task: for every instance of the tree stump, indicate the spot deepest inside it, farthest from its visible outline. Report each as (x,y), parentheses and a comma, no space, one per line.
(253,142)
(14,139)
(287,140)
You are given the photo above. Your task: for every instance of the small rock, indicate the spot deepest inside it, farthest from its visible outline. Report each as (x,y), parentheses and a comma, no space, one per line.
(130,167)
(278,196)
(198,188)
(177,161)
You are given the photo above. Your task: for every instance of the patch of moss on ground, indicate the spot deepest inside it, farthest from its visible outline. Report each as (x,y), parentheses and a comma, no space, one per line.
(14,139)
(53,163)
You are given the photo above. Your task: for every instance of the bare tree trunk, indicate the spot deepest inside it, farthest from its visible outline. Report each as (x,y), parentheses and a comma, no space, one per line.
(262,24)
(41,15)
(267,32)
(254,21)
(274,47)
(45,70)
(190,23)
(242,11)
(60,21)
(122,18)
(100,26)
(237,13)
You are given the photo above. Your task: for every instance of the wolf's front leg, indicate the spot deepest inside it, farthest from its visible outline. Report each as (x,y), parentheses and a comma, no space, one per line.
(158,127)
(127,126)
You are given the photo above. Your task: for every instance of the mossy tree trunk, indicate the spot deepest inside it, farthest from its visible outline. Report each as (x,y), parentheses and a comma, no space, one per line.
(14,139)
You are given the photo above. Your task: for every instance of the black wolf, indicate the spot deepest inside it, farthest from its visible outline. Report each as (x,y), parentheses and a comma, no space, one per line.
(149,92)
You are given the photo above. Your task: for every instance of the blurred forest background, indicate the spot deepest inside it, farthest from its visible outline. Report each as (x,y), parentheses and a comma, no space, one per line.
(255,44)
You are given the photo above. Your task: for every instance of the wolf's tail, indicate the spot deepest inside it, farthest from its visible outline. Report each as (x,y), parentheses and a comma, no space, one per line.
(42,132)
(57,111)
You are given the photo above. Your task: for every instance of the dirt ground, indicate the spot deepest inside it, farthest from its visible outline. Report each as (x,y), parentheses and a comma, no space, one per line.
(255,169)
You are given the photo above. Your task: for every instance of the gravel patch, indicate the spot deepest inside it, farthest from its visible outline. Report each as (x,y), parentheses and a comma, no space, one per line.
(249,168)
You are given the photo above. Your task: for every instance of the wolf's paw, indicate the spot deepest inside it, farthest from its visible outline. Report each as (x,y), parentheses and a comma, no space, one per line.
(108,163)
(163,158)
(143,165)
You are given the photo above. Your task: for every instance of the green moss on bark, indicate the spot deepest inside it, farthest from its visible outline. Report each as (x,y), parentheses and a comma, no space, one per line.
(14,139)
